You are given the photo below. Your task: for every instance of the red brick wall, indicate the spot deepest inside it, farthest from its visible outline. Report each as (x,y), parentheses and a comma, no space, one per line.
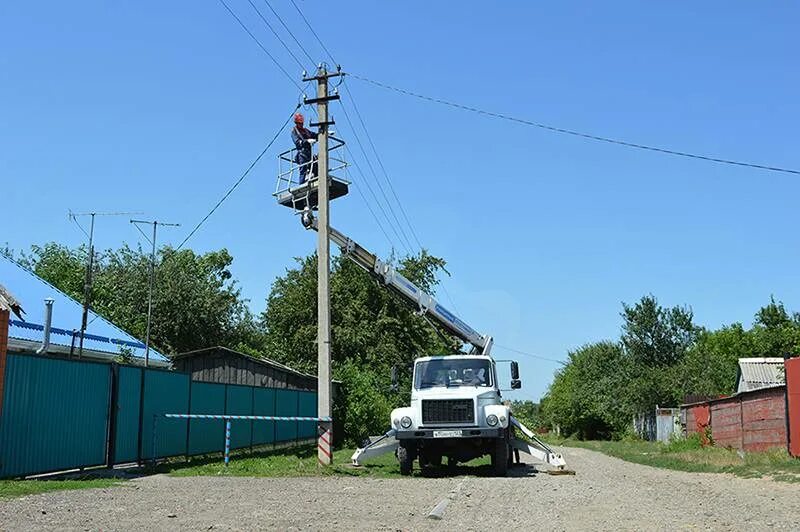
(4,314)
(793,397)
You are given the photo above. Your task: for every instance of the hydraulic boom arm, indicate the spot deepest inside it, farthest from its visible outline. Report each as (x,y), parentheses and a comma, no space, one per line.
(386,274)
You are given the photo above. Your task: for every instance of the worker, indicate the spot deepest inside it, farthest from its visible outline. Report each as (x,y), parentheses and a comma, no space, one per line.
(303,139)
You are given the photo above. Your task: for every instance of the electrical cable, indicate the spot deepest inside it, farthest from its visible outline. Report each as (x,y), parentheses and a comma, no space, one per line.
(297,42)
(263,49)
(524,353)
(576,133)
(369,207)
(314,33)
(404,240)
(275,33)
(239,181)
(375,197)
(383,168)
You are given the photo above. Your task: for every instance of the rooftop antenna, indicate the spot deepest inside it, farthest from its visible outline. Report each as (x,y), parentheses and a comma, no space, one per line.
(87,285)
(152,240)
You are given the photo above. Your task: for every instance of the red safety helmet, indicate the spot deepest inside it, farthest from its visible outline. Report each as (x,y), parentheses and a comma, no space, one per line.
(298,118)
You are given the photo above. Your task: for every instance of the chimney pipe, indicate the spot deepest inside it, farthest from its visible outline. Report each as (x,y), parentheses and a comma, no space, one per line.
(48,318)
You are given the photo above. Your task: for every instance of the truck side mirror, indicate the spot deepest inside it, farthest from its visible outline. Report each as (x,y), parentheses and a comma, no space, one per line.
(395,384)
(514,370)
(516,384)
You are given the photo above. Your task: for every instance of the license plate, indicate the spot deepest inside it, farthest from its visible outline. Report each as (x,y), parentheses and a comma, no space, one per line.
(446,433)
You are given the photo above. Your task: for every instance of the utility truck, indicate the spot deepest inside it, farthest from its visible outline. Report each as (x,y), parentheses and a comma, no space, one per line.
(456,409)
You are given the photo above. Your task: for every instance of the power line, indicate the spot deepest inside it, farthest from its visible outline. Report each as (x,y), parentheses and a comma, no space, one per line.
(314,33)
(404,239)
(275,33)
(238,182)
(297,42)
(383,168)
(577,133)
(517,351)
(372,212)
(263,49)
(375,197)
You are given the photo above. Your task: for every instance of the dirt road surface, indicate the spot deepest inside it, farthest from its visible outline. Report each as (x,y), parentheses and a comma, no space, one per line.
(606,494)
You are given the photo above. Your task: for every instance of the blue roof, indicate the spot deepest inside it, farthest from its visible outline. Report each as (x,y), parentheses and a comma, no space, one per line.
(31,291)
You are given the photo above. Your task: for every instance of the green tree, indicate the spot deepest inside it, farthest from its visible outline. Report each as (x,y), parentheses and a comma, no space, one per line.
(196,303)
(655,336)
(587,396)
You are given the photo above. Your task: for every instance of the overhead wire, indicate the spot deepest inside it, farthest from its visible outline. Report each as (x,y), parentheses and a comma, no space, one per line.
(239,181)
(372,212)
(308,24)
(277,36)
(525,353)
(404,238)
(576,133)
(291,34)
(383,168)
(258,42)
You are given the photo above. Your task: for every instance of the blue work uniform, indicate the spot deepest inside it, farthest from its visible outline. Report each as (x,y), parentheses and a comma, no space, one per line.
(300,136)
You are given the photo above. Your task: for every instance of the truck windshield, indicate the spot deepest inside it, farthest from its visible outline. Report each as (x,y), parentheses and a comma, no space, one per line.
(455,372)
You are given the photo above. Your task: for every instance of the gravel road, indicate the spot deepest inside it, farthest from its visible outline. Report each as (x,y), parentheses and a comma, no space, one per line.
(606,494)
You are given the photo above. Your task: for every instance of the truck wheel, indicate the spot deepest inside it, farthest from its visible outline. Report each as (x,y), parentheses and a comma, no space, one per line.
(500,457)
(405,455)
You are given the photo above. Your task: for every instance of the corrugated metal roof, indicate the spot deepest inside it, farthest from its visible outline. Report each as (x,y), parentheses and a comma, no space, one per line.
(757,373)
(31,291)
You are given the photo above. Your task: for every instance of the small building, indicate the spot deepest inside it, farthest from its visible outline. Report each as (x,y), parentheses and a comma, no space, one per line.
(51,323)
(226,366)
(758,373)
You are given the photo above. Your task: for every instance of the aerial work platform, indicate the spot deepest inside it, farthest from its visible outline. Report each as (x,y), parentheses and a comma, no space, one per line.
(290,192)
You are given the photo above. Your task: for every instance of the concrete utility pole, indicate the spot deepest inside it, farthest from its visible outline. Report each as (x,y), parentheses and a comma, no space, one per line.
(152,278)
(325,441)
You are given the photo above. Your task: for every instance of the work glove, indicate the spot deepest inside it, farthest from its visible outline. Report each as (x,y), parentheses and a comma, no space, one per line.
(311,141)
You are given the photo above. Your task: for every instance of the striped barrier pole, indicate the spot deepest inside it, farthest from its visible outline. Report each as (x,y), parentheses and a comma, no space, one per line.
(248,418)
(227,441)
(324,422)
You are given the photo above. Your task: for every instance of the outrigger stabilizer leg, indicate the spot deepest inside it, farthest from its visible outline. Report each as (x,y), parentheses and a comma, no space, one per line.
(539,450)
(387,445)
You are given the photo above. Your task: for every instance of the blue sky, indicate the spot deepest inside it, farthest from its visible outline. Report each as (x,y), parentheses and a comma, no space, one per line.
(159,107)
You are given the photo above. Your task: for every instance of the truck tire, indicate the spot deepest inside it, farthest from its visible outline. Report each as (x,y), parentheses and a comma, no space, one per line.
(405,455)
(500,455)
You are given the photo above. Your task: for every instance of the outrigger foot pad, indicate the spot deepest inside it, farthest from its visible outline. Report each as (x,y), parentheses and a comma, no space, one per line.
(560,472)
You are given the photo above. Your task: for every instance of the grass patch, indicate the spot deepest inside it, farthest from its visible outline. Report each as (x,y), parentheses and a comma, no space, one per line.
(302,462)
(688,455)
(20,488)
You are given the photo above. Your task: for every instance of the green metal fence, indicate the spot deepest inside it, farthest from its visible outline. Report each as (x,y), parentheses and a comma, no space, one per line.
(55,415)
(64,414)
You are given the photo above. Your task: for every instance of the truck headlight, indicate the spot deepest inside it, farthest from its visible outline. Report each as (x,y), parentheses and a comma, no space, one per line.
(491,419)
(405,422)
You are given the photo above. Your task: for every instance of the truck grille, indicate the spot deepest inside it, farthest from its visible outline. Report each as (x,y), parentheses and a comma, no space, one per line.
(448,411)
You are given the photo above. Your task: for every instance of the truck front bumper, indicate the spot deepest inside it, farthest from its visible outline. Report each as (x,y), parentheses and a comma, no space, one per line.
(444,433)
